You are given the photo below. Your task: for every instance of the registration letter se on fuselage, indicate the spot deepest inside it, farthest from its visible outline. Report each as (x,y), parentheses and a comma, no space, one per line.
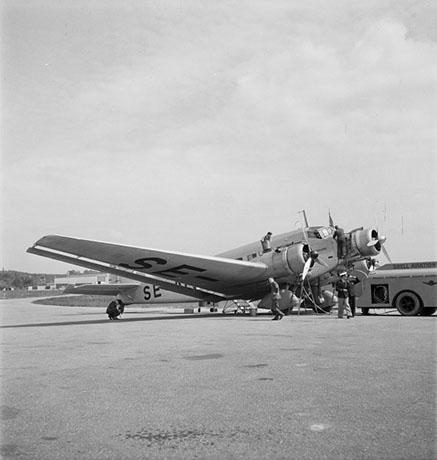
(151,290)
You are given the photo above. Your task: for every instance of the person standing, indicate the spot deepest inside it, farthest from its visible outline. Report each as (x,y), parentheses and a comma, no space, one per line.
(353,280)
(276,296)
(340,237)
(265,242)
(342,288)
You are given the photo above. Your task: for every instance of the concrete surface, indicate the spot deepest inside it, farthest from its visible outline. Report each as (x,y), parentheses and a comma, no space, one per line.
(162,384)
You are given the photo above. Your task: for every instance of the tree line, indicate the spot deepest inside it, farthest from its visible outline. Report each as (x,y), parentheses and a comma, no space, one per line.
(20,280)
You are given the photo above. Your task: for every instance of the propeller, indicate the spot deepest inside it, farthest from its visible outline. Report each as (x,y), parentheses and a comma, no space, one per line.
(313,256)
(380,239)
(386,254)
(306,268)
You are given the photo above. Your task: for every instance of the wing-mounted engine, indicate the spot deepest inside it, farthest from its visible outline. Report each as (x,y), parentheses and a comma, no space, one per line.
(287,261)
(365,243)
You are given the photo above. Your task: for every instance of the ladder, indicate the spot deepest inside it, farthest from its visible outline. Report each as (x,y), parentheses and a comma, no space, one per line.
(237,306)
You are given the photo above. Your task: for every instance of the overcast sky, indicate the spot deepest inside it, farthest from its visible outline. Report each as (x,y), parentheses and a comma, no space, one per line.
(199,126)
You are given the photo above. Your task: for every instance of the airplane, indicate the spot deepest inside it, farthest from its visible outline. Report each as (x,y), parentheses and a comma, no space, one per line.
(303,262)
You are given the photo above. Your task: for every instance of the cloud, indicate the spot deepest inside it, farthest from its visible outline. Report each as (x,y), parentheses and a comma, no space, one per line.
(208,117)
(381,83)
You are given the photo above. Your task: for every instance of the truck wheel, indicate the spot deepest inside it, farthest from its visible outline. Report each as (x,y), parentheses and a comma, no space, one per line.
(408,303)
(428,311)
(365,311)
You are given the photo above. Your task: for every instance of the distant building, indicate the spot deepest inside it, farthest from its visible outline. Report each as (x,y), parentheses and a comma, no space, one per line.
(44,287)
(75,278)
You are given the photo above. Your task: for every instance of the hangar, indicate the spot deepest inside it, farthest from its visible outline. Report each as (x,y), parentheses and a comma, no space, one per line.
(88,277)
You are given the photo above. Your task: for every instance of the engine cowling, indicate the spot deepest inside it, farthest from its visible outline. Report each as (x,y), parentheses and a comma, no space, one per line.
(360,240)
(288,261)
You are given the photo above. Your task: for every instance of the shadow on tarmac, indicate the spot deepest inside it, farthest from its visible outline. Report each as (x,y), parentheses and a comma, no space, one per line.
(171,316)
(106,320)
(174,316)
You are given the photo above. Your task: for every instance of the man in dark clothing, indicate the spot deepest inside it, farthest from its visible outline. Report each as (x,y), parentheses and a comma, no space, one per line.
(342,288)
(352,281)
(276,296)
(120,306)
(265,242)
(340,237)
(115,309)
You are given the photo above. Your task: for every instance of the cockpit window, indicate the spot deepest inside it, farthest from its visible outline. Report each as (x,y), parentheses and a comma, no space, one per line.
(319,232)
(326,232)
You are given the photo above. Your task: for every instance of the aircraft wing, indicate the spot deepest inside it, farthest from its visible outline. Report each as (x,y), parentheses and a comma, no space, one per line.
(176,271)
(100,289)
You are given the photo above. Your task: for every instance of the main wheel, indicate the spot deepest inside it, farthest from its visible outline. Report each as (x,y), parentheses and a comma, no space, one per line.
(408,303)
(428,311)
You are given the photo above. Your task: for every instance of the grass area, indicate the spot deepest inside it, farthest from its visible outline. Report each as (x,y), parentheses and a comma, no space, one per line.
(77,301)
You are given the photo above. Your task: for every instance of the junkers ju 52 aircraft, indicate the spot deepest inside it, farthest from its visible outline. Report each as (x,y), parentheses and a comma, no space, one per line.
(305,257)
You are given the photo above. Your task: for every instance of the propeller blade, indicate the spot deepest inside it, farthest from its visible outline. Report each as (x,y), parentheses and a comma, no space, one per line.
(306,268)
(386,254)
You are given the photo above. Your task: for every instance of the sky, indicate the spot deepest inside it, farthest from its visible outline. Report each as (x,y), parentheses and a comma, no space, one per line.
(198,126)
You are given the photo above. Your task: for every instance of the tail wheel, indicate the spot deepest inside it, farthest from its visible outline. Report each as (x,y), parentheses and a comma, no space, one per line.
(408,303)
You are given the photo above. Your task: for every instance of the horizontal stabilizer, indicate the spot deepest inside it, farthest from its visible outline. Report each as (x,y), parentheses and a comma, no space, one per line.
(100,289)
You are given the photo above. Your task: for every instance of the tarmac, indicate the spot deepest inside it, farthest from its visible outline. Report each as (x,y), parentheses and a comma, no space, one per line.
(161,384)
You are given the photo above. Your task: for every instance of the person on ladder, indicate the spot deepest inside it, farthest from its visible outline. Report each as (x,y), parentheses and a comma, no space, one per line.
(340,237)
